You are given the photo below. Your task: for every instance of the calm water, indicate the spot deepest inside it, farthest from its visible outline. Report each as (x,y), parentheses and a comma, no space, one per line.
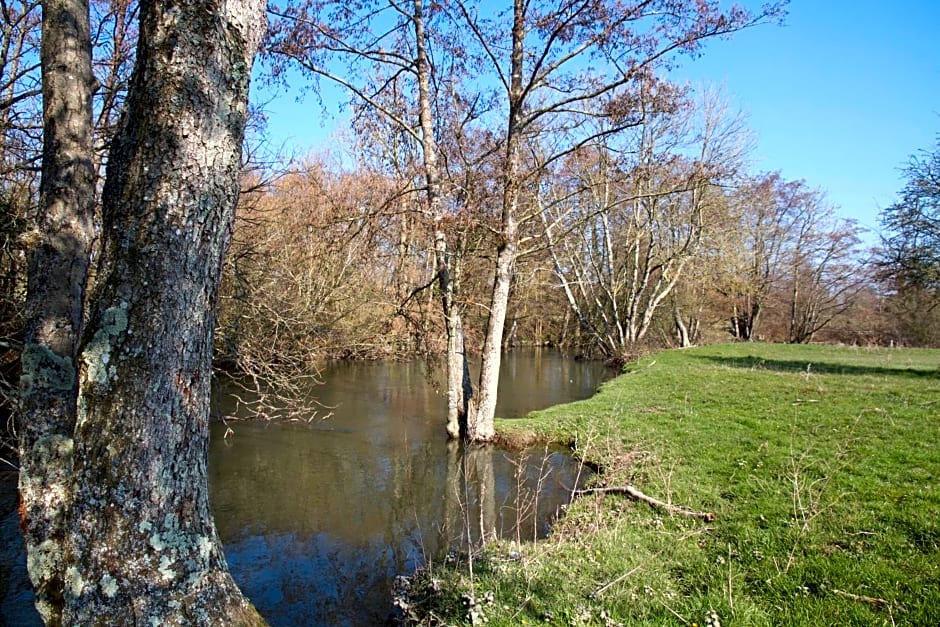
(317,518)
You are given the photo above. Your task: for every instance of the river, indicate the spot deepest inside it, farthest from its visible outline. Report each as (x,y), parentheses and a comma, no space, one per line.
(318,517)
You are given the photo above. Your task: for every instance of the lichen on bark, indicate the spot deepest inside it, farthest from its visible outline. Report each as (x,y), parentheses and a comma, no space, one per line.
(97,353)
(45,370)
(119,525)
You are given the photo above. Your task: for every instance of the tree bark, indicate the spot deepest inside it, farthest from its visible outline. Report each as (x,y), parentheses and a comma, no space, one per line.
(140,544)
(457,393)
(682,331)
(142,428)
(480,425)
(57,274)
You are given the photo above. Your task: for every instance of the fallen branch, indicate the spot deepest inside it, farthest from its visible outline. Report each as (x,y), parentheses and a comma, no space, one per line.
(636,495)
(859,597)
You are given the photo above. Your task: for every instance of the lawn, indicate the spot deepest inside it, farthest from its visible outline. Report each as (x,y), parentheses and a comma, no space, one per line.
(820,465)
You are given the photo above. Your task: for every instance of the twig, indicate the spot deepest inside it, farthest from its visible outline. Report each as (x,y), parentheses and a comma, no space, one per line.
(673,612)
(614,582)
(859,597)
(635,494)
(730,597)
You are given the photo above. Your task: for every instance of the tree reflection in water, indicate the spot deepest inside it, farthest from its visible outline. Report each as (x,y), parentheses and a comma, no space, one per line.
(318,518)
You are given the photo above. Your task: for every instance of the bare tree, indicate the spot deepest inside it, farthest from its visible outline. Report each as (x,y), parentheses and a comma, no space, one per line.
(753,249)
(527,66)
(824,269)
(21,145)
(20,149)
(626,223)
(390,46)
(114,41)
(309,277)
(536,53)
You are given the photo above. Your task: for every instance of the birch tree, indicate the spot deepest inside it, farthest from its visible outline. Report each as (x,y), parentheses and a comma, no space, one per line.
(632,219)
(384,52)
(538,69)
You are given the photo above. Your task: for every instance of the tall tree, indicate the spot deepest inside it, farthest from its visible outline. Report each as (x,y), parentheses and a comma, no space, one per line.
(764,209)
(632,219)
(387,53)
(525,67)
(113,476)
(113,34)
(57,275)
(910,244)
(822,269)
(536,53)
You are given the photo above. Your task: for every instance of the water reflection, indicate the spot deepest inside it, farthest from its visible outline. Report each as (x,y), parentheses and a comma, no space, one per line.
(317,519)
(314,536)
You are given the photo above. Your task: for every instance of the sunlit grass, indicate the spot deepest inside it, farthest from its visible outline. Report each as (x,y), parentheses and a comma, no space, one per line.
(821,465)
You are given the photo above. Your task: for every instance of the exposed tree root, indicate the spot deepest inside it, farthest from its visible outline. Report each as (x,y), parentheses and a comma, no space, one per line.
(636,495)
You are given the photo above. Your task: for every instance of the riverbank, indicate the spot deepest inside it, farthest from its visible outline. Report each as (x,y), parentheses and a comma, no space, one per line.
(820,465)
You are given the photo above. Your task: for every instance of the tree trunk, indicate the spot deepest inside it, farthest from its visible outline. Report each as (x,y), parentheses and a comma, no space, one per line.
(744,320)
(457,393)
(142,546)
(459,389)
(58,269)
(682,331)
(480,422)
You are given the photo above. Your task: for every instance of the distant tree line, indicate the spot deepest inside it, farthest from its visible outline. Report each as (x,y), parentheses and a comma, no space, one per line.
(621,258)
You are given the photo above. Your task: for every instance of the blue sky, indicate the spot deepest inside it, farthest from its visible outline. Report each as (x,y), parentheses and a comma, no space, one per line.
(840,96)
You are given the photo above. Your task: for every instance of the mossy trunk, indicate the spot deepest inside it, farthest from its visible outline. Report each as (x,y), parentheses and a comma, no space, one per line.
(141,545)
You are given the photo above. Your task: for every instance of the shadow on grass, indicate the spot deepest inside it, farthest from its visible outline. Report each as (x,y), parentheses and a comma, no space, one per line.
(751,362)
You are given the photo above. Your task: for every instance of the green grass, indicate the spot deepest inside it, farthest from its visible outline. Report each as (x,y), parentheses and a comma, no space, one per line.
(821,465)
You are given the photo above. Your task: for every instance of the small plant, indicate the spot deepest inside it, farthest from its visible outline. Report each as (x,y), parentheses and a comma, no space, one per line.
(476,607)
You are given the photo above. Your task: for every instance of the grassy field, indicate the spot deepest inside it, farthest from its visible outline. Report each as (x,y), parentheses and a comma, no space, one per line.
(820,464)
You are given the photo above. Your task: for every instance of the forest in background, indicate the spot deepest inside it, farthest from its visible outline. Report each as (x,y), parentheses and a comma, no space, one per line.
(641,225)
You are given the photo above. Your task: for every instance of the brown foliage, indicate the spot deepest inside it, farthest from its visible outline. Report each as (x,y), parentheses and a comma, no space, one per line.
(310,276)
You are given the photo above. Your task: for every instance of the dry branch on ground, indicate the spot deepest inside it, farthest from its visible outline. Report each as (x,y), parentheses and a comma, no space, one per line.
(637,495)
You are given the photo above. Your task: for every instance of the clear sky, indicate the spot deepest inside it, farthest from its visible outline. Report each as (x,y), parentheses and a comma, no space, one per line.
(840,96)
